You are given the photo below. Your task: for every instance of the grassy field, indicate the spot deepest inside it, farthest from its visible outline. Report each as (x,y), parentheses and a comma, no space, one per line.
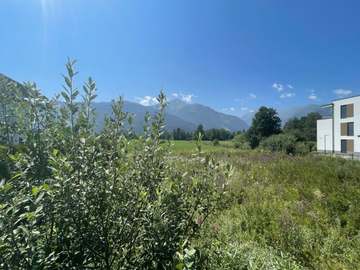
(182,147)
(282,212)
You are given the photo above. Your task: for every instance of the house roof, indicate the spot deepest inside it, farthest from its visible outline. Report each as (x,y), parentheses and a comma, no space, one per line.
(338,99)
(345,98)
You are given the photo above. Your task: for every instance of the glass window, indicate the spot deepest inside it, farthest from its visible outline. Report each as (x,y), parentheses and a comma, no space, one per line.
(343,110)
(350,129)
(350,110)
(343,146)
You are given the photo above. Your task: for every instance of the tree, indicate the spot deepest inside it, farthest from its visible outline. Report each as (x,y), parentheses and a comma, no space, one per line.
(265,123)
(180,134)
(218,134)
(199,130)
(304,128)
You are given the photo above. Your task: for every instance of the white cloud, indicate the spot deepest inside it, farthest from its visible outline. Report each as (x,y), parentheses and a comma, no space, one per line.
(312,96)
(342,92)
(251,111)
(287,95)
(147,100)
(230,109)
(244,108)
(281,87)
(278,86)
(187,98)
(252,96)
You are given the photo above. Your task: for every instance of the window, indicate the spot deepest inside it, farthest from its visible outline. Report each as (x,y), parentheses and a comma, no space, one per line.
(343,110)
(350,129)
(343,146)
(347,129)
(347,110)
(347,146)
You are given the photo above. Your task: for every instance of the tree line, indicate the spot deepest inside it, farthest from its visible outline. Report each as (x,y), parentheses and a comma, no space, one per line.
(212,134)
(297,136)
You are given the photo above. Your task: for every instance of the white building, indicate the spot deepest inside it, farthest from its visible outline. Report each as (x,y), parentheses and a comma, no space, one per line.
(341,132)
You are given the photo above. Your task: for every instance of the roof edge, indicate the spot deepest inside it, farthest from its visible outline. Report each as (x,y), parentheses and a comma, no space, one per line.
(327,105)
(345,98)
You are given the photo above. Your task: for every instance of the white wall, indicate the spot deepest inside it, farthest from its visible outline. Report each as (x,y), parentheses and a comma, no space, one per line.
(324,135)
(338,121)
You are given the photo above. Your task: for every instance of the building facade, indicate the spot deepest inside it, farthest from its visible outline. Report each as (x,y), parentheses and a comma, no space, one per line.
(341,132)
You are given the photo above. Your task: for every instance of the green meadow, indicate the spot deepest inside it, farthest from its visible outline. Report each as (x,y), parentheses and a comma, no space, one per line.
(183,147)
(282,211)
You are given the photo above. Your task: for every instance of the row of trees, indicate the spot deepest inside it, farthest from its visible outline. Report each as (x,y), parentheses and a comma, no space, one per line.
(208,135)
(297,135)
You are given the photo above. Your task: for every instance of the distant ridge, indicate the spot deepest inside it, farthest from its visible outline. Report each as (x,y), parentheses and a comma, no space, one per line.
(208,117)
(178,114)
(5,81)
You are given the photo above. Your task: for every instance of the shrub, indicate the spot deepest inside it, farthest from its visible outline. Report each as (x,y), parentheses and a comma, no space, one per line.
(215,142)
(280,143)
(80,200)
(240,142)
(301,148)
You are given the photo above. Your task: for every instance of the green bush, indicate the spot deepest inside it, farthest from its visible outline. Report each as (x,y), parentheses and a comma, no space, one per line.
(240,142)
(80,200)
(280,143)
(215,142)
(301,148)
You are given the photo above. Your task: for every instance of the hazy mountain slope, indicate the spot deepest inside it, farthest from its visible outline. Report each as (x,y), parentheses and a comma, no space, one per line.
(200,114)
(287,113)
(6,82)
(139,111)
(178,113)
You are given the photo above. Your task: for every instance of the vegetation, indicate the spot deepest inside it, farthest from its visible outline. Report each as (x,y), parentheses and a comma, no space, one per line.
(240,141)
(207,135)
(265,123)
(297,137)
(285,212)
(304,128)
(280,143)
(73,199)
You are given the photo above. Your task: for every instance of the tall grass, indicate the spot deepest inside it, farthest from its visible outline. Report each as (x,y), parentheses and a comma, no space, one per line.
(287,213)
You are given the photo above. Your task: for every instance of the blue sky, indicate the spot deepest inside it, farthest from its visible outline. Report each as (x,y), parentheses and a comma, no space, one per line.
(231,55)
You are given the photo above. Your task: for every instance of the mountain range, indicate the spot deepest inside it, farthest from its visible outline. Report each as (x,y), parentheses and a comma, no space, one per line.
(187,116)
(178,114)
